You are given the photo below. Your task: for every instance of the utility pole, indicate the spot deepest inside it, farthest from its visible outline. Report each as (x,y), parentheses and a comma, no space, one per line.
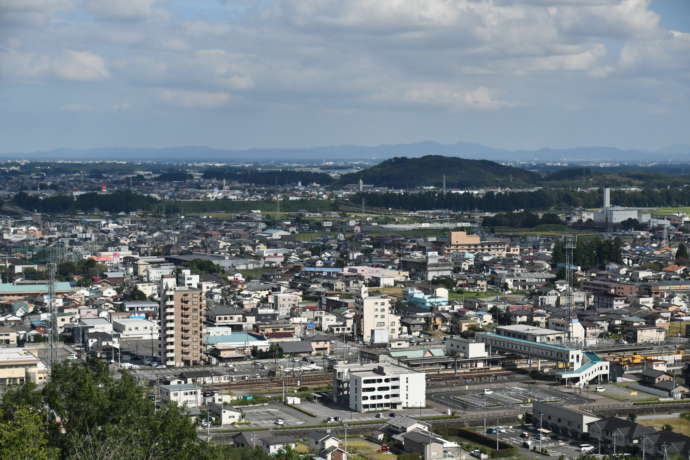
(496,434)
(541,435)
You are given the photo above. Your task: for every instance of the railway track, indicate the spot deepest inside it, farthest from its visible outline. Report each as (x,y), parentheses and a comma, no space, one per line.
(317,380)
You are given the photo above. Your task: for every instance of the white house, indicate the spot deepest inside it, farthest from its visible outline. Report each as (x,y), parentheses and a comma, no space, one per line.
(182,394)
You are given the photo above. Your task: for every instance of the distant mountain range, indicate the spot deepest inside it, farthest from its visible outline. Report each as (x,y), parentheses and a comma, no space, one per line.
(675,153)
(430,170)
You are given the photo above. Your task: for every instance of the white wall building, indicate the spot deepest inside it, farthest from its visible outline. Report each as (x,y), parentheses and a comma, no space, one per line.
(182,394)
(386,387)
(136,329)
(466,348)
(379,325)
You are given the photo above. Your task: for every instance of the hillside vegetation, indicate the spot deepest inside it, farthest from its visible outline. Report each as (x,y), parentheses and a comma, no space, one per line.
(402,172)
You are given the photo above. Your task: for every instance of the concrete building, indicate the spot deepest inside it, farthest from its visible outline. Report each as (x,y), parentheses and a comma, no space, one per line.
(18,366)
(562,420)
(376,387)
(226,414)
(465,348)
(645,334)
(140,329)
(462,242)
(182,394)
(531,333)
(284,302)
(181,324)
(379,325)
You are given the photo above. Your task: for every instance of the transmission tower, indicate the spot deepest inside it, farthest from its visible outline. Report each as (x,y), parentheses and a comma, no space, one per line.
(56,255)
(570,242)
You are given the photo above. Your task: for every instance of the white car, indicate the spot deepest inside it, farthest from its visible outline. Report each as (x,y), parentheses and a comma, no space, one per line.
(488,391)
(584,448)
(280,422)
(600,389)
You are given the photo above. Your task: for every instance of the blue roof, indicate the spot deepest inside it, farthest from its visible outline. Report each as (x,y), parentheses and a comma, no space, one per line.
(235,337)
(180,387)
(322,269)
(9,288)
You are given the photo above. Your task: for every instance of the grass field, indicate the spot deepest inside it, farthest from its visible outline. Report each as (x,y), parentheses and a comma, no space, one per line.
(472,295)
(391,291)
(363,449)
(674,210)
(680,425)
(677,328)
(542,230)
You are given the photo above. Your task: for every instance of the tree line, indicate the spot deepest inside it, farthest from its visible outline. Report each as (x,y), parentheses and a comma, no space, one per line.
(84,413)
(590,252)
(120,201)
(269,177)
(524,219)
(543,199)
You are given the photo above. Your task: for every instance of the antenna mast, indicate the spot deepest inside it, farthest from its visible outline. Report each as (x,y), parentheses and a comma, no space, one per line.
(570,242)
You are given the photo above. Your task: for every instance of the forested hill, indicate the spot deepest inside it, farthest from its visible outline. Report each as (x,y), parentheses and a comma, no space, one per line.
(402,172)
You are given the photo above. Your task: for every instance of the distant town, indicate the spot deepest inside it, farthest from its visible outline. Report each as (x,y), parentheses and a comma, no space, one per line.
(420,308)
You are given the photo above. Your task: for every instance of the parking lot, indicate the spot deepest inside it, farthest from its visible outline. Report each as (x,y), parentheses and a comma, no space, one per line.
(505,397)
(325,409)
(557,446)
(266,416)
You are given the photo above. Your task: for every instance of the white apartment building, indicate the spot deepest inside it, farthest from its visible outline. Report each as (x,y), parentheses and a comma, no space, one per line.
(379,325)
(186,279)
(182,394)
(141,329)
(284,302)
(386,387)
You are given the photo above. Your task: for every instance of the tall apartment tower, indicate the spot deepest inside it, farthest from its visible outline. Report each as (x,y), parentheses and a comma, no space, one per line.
(379,323)
(181,323)
(607,198)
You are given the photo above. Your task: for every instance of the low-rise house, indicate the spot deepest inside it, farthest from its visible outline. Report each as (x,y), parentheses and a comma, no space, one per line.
(181,394)
(266,441)
(627,435)
(226,414)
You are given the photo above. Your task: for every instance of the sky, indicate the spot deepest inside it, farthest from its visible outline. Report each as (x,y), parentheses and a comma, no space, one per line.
(296,73)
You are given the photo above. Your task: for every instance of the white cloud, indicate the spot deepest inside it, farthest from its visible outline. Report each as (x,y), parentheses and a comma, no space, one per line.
(68,65)
(30,12)
(194,99)
(443,95)
(124,10)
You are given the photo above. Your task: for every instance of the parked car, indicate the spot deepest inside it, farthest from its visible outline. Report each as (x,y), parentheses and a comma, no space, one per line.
(584,448)
(488,391)
(280,422)
(600,389)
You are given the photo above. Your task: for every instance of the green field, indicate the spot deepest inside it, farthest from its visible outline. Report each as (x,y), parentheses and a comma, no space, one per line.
(672,210)
(680,425)
(472,295)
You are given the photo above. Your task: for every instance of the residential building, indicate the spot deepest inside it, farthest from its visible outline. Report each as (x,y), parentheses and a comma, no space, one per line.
(563,420)
(379,324)
(136,329)
(181,324)
(380,387)
(18,366)
(182,394)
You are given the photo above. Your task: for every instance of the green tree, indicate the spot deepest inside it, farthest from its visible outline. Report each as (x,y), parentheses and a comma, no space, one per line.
(136,294)
(682,254)
(22,436)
